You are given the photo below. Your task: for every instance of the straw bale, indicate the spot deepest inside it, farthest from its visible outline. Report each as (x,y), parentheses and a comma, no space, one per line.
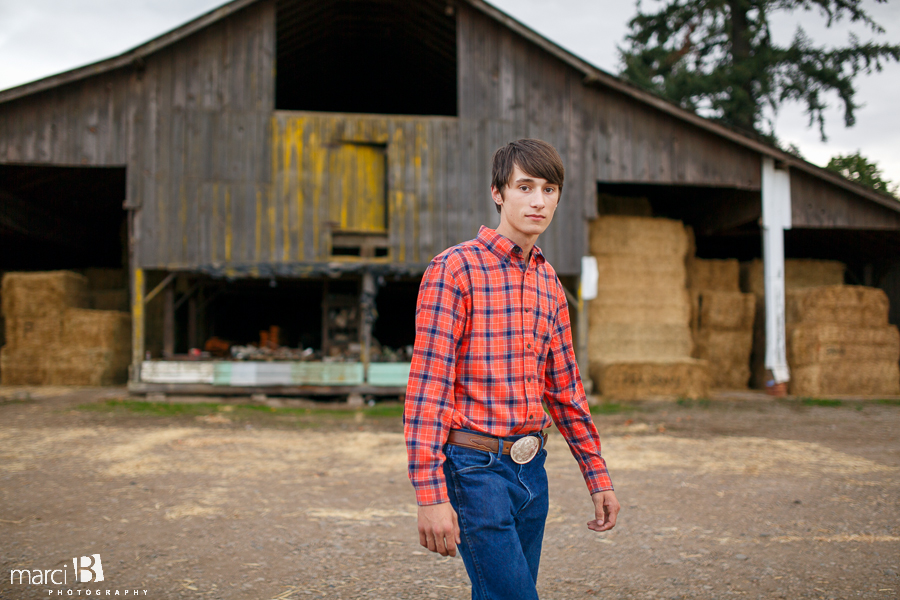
(708,274)
(728,354)
(42,293)
(723,310)
(640,272)
(687,378)
(106,279)
(106,329)
(638,235)
(813,343)
(798,274)
(110,300)
(636,341)
(848,305)
(608,204)
(34,332)
(846,377)
(21,367)
(86,366)
(640,306)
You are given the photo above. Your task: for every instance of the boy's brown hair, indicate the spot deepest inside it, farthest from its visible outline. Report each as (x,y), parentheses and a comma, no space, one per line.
(535,157)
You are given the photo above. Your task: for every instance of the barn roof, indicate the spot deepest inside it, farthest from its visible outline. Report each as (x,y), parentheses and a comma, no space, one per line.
(593,76)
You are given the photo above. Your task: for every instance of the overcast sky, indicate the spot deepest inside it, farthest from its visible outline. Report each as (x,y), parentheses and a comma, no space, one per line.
(43,37)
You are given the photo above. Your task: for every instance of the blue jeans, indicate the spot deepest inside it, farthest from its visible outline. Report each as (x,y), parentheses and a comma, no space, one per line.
(502,508)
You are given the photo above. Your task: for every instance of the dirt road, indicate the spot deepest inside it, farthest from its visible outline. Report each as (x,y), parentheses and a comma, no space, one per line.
(732,498)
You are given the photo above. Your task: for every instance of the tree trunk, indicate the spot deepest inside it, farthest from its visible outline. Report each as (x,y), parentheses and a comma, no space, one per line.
(743,100)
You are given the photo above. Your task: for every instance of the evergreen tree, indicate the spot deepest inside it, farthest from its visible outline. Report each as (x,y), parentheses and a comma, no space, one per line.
(718,57)
(858,168)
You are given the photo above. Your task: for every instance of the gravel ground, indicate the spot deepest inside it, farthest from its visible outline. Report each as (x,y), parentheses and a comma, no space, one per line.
(751,497)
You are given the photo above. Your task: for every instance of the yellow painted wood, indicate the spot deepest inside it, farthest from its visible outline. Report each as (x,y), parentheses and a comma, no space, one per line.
(356,198)
(137,316)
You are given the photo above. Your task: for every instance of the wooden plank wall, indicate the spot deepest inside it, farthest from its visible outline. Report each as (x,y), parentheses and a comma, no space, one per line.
(817,204)
(510,88)
(200,141)
(79,124)
(421,154)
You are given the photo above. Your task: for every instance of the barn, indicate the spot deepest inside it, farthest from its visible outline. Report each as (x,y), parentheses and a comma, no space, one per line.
(275,176)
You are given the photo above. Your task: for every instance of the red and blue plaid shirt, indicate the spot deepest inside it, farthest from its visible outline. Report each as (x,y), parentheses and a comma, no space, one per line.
(493,340)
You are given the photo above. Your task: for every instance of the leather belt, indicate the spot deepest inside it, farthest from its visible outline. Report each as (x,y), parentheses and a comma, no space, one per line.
(491,444)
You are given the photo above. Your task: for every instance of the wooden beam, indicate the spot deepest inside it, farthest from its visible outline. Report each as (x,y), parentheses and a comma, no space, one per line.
(165,282)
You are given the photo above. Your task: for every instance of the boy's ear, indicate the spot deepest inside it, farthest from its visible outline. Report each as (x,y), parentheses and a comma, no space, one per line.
(497,196)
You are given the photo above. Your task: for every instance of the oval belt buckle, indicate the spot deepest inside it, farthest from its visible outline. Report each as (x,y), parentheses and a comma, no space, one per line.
(524,449)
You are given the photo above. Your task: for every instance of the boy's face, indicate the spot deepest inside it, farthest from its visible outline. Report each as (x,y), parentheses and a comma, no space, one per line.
(528,204)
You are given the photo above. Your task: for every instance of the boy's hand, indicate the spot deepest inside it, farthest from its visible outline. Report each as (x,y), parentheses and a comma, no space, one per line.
(606,508)
(438,528)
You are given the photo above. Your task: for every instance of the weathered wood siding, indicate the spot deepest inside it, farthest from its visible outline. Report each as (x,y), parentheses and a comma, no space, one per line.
(816,204)
(510,88)
(200,143)
(79,124)
(422,177)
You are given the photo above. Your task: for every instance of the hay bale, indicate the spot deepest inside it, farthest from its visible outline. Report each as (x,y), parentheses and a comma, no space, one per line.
(708,274)
(645,236)
(630,380)
(103,329)
(21,367)
(638,306)
(815,343)
(636,341)
(86,366)
(798,274)
(846,377)
(728,355)
(119,300)
(42,293)
(34,332)
(639,272)
(723,310)
(847,305)
(106,279)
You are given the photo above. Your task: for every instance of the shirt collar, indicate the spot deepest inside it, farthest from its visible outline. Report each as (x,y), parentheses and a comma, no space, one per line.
(503,247)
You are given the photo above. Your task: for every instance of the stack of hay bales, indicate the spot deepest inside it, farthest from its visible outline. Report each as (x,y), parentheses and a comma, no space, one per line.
(640,338)
(54,339)
(721,320)
(798,274)
(839,341)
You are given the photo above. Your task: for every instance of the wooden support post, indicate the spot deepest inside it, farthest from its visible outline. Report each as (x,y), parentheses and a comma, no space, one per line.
(367,307)
(776,217)
(192,322)
(169,321)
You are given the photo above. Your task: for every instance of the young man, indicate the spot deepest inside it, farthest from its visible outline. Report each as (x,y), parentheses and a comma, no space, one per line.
(493,340)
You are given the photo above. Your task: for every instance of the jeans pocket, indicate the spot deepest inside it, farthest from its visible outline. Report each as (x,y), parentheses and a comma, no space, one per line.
(462,460)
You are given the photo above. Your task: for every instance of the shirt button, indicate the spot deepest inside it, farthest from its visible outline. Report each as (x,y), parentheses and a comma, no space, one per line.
(530,416)
(529,345)
(527,310)
(529,379)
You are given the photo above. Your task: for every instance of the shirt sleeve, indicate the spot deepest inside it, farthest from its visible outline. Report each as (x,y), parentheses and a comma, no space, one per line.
(429,403)
(566,401)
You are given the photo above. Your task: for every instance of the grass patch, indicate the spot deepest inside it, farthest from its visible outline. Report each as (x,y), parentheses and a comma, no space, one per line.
(889,401)
(821,402)
(611,408)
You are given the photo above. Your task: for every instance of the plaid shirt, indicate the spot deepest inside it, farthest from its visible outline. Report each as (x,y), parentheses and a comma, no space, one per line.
(493,340)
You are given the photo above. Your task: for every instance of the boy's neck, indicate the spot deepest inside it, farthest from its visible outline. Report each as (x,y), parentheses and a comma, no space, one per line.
(525,242)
